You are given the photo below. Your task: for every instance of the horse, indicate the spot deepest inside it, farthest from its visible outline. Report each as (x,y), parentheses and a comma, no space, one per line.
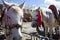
(47,18)
(56,14)
(12,20)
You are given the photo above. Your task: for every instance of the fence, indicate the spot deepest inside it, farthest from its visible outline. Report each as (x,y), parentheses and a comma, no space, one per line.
(34,36)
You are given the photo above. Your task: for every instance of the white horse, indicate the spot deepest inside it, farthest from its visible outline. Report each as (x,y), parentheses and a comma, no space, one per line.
(12,20)
(56,14)
(47,18)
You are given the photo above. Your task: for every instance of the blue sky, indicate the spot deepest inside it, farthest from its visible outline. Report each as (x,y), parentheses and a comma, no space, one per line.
(36,3)
(29,3)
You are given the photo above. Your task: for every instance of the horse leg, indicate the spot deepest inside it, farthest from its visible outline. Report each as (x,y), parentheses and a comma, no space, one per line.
(51,31)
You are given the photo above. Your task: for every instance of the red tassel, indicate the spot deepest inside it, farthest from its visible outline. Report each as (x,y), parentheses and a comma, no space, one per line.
(39,18)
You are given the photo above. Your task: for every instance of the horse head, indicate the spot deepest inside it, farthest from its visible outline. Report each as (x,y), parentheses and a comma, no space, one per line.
(14,13)
(35,17)
(13,19)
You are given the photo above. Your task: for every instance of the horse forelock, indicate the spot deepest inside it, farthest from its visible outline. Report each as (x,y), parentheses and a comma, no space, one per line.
(15,9)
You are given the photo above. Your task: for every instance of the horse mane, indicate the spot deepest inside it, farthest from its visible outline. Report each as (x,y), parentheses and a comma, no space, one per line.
(54,10)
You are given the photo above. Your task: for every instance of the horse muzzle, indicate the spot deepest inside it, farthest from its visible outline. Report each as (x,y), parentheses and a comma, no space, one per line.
(34,24)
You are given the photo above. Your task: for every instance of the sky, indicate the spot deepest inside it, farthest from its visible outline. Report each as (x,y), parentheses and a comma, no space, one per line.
(37,3)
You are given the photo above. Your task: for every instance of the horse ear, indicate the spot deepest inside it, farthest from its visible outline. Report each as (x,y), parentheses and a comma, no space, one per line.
(22,5)
(5,3)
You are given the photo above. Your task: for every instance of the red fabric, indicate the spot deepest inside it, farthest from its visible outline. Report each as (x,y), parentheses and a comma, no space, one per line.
(39,18)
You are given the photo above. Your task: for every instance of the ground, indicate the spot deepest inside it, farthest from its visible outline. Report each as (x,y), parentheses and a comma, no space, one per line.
(27,29)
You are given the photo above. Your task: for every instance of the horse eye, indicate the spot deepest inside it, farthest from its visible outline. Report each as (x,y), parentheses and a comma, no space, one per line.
(14,11)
